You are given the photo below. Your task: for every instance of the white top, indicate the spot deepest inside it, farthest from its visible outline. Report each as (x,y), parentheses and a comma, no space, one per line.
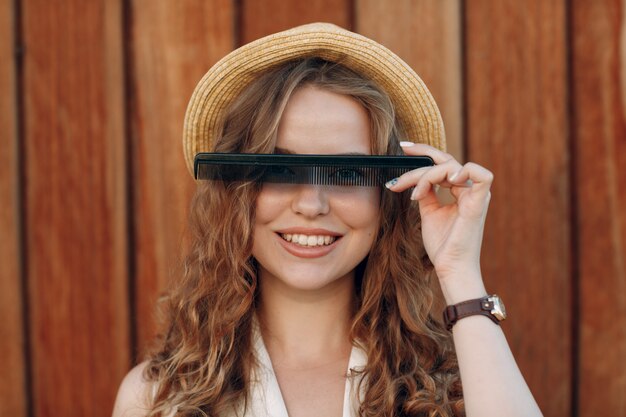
(266,399)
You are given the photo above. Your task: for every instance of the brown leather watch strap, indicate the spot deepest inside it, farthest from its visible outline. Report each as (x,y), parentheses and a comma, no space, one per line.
(478,306)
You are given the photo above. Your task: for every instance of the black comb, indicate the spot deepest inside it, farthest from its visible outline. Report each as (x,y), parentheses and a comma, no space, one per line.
(339,170)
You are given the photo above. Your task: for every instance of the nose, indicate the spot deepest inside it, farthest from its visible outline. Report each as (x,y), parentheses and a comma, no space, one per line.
(310,201)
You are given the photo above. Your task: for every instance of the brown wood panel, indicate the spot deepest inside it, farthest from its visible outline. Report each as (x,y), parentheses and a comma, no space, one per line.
(12,382)
(599,131)
(75,204)
(174,44)
(517,126)
(261,18)
(427,35)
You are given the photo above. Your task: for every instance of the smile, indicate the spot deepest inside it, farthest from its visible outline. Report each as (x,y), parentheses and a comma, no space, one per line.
(309,240)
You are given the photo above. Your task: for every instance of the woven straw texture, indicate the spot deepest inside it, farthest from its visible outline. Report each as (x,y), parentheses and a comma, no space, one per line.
(415,107)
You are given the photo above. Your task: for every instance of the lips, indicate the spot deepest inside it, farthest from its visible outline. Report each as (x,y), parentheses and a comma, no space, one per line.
(308,243)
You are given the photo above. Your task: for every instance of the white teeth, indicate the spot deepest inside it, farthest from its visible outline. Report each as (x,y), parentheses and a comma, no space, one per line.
(309,240)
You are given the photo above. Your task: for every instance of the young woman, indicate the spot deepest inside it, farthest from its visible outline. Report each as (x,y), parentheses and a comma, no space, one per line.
(316,300)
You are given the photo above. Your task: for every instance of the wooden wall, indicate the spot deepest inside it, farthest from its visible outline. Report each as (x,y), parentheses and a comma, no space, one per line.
(95,193)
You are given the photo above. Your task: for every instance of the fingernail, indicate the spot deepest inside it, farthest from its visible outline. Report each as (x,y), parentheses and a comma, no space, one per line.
(453,176)
(391,183)
(406,144)
(414,194)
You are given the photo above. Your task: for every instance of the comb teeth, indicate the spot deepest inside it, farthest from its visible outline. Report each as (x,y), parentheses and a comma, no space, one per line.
(335,170)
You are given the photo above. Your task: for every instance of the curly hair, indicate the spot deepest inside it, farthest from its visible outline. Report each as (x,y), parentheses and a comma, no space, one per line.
(202,362)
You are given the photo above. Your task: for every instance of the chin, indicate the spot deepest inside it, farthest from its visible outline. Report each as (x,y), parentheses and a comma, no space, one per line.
(306,279)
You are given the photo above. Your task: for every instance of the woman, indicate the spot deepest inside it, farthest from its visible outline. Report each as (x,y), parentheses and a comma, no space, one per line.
(311,300)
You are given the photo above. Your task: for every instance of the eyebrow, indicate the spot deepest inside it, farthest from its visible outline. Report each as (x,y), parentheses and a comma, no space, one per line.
(283,151)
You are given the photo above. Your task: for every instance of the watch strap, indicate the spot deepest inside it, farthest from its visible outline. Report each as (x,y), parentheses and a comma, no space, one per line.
(479,306)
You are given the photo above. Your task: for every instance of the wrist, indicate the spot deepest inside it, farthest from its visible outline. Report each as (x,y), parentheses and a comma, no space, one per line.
(457,288)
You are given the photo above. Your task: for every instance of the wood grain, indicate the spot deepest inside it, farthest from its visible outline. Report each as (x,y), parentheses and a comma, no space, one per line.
(78,241)
(427,35)
(261,18)
(517,126)
(174,44)
(13,380)
(599,128)
(76,205)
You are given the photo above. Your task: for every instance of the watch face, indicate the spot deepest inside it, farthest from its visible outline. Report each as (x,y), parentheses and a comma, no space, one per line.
(498,307)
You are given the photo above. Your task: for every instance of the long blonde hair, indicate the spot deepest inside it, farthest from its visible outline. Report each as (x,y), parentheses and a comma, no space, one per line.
(201,364)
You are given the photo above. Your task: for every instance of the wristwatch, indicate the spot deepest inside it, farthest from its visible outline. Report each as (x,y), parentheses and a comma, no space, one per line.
(490,306)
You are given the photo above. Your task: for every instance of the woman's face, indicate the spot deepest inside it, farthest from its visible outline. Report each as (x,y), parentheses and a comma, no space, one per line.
(309,237)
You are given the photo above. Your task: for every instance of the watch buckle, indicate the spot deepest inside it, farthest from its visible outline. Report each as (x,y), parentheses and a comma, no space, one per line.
(498,309)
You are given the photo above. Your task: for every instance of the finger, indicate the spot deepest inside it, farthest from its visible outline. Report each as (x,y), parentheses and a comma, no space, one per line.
(474,174)
(411,178)
(428,201)
(480,179)
(438,156)
(436,176)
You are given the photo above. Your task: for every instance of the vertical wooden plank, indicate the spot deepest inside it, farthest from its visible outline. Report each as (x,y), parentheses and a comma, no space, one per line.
(75,204)
(427,35)
(261,18)
(517,126)
(599,127)
(174,44)
(12,383)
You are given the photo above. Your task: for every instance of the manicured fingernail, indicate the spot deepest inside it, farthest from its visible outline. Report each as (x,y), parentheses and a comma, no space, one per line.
(406,144)
(414,194)
(391,183)
(453,176)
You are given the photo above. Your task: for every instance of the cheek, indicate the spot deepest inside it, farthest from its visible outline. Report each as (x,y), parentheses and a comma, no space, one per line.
(360,209)
(268,206)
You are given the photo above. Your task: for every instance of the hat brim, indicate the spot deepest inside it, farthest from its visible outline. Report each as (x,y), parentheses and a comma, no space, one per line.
(415,107)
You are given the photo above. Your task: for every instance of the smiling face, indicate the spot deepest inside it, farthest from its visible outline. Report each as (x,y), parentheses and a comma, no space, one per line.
(310,237)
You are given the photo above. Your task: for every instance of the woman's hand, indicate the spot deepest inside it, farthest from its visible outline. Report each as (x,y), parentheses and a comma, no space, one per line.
(452,233)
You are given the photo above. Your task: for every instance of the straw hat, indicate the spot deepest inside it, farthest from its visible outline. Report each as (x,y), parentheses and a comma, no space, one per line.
(415,106)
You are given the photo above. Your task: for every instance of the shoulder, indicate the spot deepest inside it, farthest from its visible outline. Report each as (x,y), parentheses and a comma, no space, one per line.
(134,395)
